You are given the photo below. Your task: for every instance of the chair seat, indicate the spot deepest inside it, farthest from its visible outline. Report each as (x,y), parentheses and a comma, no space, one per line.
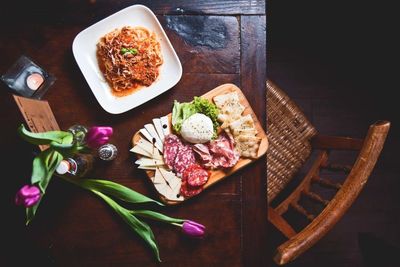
(289,133)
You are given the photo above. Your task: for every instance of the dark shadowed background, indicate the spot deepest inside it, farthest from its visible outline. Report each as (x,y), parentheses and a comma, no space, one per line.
(338,61)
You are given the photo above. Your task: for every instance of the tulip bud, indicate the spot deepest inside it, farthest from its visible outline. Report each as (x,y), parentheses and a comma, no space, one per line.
(98,136)
(193,229)
(28,196)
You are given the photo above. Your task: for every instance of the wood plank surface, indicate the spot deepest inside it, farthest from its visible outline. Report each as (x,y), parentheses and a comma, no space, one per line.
(73,227)
(254,184)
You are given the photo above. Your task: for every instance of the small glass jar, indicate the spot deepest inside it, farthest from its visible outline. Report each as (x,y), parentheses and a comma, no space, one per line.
(28,79)
(79,132)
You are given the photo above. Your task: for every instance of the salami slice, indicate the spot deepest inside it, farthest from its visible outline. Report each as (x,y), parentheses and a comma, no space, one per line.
(172,144)
(195,175)
(189,191)
(184,158)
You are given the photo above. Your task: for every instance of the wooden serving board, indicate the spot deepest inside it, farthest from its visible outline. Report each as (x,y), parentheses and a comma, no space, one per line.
(218,175)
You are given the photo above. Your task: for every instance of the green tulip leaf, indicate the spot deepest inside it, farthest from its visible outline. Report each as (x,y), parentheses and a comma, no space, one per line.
(44,166)
(31,211)
(54,161)
(44,138)
(39,169)
(141,228)
(113,189)
(156,216)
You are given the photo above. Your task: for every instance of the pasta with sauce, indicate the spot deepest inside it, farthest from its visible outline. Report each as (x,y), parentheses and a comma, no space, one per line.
(129,58)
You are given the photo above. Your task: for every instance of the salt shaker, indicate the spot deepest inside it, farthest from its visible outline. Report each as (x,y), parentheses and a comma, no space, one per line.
(107,152)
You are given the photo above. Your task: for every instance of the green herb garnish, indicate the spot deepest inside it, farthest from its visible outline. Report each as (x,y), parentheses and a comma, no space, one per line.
(125,51)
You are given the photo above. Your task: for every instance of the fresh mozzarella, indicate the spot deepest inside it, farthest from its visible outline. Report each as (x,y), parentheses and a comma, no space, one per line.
(152,131)
(165,125)
(197,129)
(158,126)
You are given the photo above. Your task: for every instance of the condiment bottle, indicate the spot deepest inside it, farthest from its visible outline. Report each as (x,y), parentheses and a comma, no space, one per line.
(79,132)
(78,165)
(107,152)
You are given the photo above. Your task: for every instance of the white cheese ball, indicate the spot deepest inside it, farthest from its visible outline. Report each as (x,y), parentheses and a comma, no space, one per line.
(197,129)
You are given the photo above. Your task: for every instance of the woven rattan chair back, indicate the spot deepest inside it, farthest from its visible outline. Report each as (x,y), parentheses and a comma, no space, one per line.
(291,140)
(289,133)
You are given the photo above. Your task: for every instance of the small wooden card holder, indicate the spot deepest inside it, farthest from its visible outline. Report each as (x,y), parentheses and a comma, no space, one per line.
(37,114)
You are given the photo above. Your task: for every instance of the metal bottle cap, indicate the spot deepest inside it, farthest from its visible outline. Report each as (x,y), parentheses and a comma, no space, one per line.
(107,152)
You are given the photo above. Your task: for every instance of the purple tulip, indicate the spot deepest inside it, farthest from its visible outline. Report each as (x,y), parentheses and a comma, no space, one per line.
(193,229)
(98,136)
(28,196)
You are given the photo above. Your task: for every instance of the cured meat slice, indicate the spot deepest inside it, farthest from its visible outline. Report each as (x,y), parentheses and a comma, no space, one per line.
(184,158)
(189,191)
(172,144)
(224,152)
(195,175)
(203,152)
(218,153)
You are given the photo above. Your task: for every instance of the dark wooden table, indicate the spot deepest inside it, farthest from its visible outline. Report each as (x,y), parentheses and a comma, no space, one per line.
(217,42)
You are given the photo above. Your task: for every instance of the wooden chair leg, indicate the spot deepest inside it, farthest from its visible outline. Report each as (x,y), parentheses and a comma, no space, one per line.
(280,223)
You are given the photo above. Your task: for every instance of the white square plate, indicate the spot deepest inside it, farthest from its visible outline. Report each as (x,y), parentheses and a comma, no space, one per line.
(84,49)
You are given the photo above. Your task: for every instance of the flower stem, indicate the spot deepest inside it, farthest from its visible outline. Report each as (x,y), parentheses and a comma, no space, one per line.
(157,216)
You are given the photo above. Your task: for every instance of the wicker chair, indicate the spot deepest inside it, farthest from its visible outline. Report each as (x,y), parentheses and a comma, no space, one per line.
(292,139)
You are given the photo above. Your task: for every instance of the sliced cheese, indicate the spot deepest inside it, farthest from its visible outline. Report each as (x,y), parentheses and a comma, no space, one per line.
(165,125)
(140,151)
(159,130)
(146,134)
(172,179)
(149,162)
(157,155)
(168,192)
(152,168)
(167,184)
(150,138)
(152,131)
(149,148)
(158,179)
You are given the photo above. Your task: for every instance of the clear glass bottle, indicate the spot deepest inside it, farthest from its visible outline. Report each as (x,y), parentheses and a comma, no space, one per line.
(107,152)
(79,132)
(78,165)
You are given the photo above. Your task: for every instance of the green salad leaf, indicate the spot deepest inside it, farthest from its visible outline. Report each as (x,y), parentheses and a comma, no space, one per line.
(204,106)
(182,111)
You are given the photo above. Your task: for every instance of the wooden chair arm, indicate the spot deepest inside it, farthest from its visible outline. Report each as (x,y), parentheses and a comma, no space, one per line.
(336,142)
(336,208)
